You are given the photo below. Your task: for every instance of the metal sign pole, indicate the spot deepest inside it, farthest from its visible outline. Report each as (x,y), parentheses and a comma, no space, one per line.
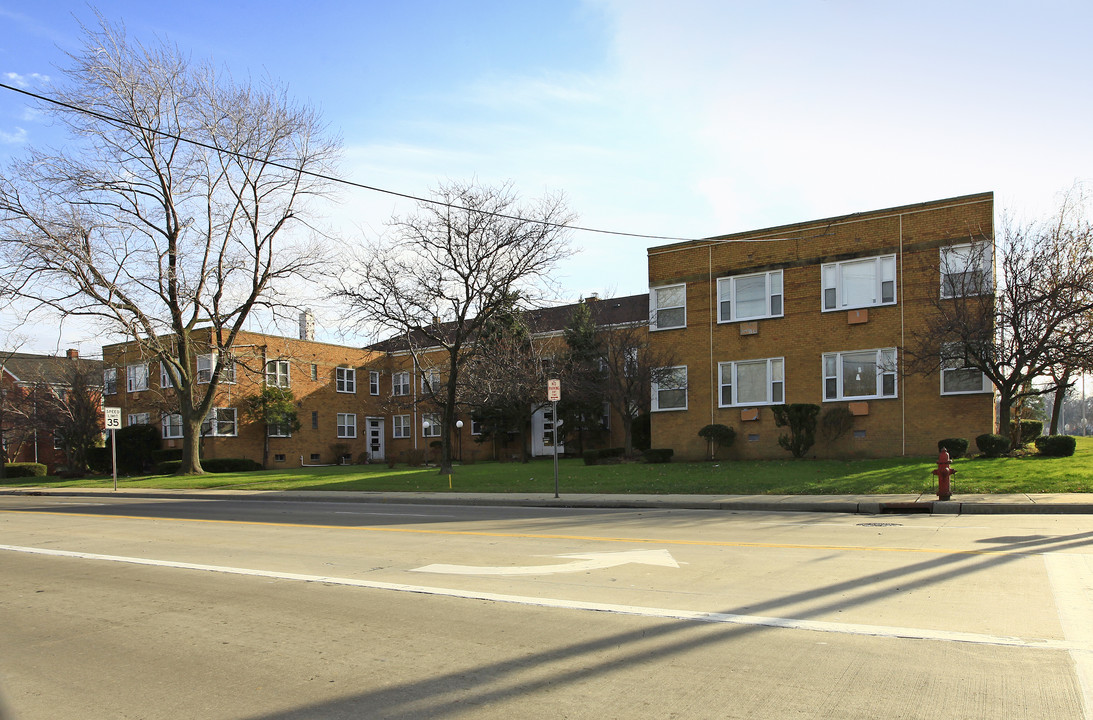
(114,456)
(554,410)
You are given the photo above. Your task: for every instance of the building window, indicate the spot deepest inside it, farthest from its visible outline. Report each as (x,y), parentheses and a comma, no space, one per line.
(206,366)
(58,439)
(400,383)
(277,373)
(749,297)
(136,378)
(278,457)
(314,372)
(314,457)
(347,425)
(859,283)
(172,426)
(110,381)
(670,389)
(430,380)
(956,377)
(752,382)
(430,425)
(373,382)
(668,307)
(314,419)
(860,375)
(281,429)
(605,417)
(346,380)
(476,427)
(165,376)
(220,422)
(400,426)
(966,270)
(139,419)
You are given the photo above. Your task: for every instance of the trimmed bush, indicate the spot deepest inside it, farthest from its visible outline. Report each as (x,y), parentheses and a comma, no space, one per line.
(226,465)
(1055,445)
(98,459)
(162,456)
(993,445)
(836,422)
(1030,430)
(717,436)
(607,453)
(168,467)
(956,447)
(591,457)
(658,455)
(136,446)
(22,470)
(801,420)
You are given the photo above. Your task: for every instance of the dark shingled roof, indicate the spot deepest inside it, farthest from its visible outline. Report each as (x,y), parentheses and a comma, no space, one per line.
(607,312)
(53,369)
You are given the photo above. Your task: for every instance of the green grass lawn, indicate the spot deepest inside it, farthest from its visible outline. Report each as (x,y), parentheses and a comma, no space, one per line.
(1028,474)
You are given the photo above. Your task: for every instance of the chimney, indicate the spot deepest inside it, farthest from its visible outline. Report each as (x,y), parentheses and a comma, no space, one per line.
(72,354)
(307,325)
(592,297)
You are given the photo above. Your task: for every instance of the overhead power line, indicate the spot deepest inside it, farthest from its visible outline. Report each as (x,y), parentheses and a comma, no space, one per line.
(322,176)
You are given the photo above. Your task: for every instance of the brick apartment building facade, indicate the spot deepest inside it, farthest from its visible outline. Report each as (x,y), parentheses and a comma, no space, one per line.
(817,312)
(353,404)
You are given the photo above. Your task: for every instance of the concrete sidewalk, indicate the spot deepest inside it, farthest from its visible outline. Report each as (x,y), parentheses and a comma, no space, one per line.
(1046,503)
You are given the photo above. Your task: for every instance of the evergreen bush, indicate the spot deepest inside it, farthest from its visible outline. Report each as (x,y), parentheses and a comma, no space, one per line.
(23,470)
(993,445)
(658,455)
(801,420)
(717,436)
(956,447)
(1030,430)
(1056,445)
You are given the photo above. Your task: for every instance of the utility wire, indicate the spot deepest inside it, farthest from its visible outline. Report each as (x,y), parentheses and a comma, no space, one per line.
(321,176)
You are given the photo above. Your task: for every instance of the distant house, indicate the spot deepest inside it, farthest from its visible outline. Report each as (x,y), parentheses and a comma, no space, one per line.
(23,377)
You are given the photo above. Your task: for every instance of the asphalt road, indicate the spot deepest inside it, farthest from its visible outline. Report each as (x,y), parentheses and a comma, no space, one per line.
(125,608)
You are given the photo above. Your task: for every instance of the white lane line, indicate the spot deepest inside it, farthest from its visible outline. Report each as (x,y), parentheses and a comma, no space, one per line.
(1071,576)
(639,610)
(391,514)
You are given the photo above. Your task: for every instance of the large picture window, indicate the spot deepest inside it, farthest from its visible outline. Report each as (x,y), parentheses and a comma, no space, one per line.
(430,425)
(220,422)
(668,307)
(860,375)
(400,383)
(752,382)
(749,297)
(110,381)
(206,365)
(859,283)
(966,270)
(670,389)
(136,378)
(400,426)
(956,377)
(172,426)
(347,425)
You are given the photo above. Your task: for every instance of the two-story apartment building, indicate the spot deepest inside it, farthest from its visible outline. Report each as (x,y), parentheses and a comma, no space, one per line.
(817,312)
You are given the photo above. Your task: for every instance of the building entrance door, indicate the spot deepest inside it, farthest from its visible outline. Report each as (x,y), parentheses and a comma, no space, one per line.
(375,439)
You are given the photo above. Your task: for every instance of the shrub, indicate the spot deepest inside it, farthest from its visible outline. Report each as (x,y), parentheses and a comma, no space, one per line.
(607,453)
(22,470)
(1055,445)
(1030,430)
(717,436)
(161,456)
(641,432)
(415,457)
(168,467)
(801,420)
(226,465)
(364,458)
(658,455)
(992,445)
(957,447)
(136,445)
(836,422)
(591,457)
(98,459)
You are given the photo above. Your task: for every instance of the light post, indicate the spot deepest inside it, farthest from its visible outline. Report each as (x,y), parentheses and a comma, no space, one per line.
(459,428)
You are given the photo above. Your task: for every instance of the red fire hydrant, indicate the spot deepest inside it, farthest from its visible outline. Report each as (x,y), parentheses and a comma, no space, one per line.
(944,472)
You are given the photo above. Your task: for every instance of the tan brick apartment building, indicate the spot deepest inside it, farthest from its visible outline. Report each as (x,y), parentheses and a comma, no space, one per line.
(816,312)
(351,402)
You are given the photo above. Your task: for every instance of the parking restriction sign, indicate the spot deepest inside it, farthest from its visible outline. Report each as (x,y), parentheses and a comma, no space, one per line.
(554,390)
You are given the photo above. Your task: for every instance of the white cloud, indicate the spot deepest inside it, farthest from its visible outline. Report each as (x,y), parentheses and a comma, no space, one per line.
(26,81)
(13,138)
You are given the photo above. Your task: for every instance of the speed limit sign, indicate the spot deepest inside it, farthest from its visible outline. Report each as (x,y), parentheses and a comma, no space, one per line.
(112,416)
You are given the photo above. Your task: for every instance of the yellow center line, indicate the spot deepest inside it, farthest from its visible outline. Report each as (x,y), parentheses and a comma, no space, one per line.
(546,536)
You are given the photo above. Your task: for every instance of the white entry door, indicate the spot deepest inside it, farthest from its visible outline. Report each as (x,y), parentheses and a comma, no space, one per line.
(542,432)
(375,439)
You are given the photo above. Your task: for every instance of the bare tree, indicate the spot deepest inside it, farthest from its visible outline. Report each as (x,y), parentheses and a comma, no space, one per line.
(447,270)
(1029,321)
(170,212)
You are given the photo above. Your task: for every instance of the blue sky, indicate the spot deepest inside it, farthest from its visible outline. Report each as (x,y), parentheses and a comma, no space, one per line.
(683,119)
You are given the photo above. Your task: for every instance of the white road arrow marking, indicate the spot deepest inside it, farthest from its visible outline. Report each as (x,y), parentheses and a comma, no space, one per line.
(586,561)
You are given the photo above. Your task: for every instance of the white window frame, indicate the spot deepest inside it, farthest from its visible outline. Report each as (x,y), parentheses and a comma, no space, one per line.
(832,366)
(139,419)
(727,293)
(172,426)
(400,383)
(950,362)
(956,260)
(680,373)
(110,381)
(279,430)
(655,308)
(430,380)
(136,377)
(278,373)
(476,427)
(401,427)
(345,380)
(775,382)
(373,382)
(833,283)
(216,423)
(164,376)
(206,365)
(347,425)
(433,429)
